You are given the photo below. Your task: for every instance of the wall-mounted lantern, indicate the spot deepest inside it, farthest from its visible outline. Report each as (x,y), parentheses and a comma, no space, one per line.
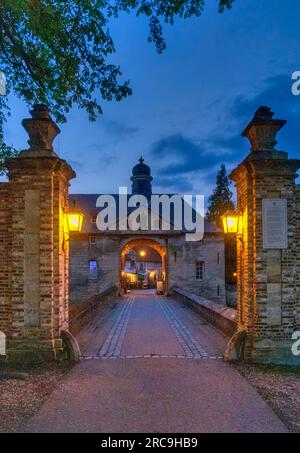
(75,220)
(232,222)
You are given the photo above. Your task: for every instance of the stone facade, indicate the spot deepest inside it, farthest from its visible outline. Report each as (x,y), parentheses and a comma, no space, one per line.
(181,265)
(181,258)
(268,278)
(33,249)
(105,249)
(5,258)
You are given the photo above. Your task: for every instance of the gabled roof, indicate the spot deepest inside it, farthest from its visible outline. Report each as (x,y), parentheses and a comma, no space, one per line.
(86,203)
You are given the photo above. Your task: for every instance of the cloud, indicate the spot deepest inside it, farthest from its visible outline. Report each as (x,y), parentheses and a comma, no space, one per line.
(228,144)
(98,159)
(178,185)
(276,92)
(277,95)
(96,148)
(119,130)
(181,155)
(184,157)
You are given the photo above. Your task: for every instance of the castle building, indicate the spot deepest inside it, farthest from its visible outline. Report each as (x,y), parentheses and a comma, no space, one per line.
(104,260)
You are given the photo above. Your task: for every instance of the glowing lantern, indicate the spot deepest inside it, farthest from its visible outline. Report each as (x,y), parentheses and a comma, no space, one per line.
(232,222)
(142,253)
(75,220)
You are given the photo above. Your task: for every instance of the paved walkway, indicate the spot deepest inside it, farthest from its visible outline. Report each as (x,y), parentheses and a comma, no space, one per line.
(153,365)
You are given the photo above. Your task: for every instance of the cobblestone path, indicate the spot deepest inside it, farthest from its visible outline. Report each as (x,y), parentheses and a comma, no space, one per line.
(114,341)
(151,364)
(148,326)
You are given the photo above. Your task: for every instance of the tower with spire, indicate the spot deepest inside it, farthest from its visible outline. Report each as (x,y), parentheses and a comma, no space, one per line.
(141,179)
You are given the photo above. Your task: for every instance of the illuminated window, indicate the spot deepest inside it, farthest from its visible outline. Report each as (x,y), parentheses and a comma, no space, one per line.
(94,218)
(93,269)
(200,268)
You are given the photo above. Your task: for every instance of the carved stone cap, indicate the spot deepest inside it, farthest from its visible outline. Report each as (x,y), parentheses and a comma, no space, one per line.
(42,130)
(262,130)
(266,164)
(41,167)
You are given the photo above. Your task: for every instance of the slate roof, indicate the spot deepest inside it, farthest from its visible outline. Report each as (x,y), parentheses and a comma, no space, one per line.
(86,203)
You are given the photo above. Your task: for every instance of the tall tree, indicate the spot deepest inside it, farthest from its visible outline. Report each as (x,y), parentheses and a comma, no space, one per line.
(219,202)
(58,52)
(221,199)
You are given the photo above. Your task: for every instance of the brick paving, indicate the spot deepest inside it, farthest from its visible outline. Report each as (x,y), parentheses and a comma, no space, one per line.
(150,327)
(190,345)
(114,341)
(153,365)
(149,332)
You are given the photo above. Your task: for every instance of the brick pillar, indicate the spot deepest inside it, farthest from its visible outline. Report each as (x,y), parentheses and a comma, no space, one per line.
(268,268)
(39,182)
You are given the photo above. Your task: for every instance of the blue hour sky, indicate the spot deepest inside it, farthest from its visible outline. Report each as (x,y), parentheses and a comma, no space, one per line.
(190,104)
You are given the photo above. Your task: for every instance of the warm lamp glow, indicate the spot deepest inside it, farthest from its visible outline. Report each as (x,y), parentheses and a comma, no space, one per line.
(231,222)
(75,221)
(142,253)
(132,278)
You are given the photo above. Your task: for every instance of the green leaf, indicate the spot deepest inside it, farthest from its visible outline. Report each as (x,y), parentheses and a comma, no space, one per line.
(59,52)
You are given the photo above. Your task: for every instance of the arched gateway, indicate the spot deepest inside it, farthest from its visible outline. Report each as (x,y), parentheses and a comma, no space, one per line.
(97,258)
(35,241)
(139,246)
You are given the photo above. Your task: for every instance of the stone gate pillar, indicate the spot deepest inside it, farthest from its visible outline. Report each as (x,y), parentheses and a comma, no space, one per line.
(38,198)
(268,246)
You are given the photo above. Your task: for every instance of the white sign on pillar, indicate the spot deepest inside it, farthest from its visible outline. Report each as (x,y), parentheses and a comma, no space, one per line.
(274,218)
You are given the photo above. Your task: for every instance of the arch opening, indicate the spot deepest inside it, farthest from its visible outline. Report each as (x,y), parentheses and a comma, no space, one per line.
(143,265)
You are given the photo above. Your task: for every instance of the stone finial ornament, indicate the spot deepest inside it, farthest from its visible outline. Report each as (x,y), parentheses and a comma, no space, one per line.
(42,130)
(262,130)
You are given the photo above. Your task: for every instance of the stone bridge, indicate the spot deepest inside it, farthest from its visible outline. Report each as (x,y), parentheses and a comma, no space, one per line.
(34,245)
